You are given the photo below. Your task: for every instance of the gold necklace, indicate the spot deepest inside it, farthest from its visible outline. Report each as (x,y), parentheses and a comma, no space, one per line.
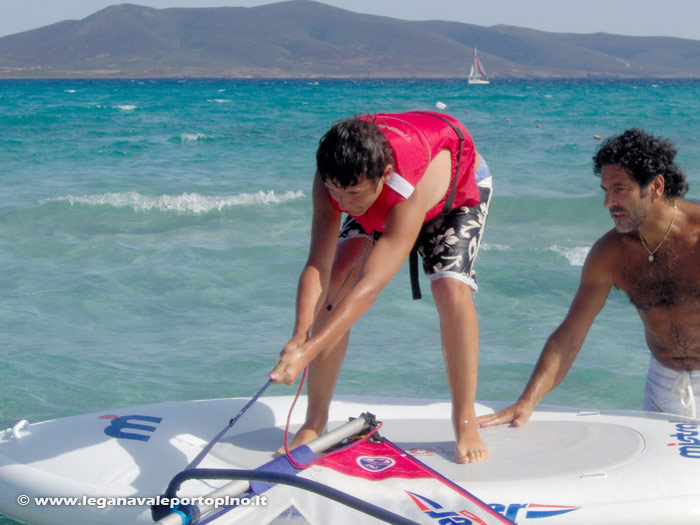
(652,252)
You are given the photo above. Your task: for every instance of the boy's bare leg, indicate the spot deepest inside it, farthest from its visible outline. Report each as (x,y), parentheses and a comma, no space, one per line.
(324,370)
(459,330)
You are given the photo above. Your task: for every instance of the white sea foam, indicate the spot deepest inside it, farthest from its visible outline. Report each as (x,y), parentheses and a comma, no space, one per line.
(193,203)
(576,256)
(194,137)
(495,247)
(126,107)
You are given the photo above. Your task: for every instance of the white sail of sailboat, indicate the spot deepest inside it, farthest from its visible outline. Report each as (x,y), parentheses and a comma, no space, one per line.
(477,74)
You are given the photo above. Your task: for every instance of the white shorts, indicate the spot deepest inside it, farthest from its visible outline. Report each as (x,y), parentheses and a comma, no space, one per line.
(672,391)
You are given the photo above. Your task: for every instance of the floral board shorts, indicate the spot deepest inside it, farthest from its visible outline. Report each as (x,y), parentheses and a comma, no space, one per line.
(448,244)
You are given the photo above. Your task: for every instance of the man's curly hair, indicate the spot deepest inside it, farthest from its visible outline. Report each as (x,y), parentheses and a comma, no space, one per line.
(352,150)
(643,157)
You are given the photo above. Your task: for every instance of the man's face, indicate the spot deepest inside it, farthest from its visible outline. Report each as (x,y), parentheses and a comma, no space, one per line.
(357,199)
(624,198)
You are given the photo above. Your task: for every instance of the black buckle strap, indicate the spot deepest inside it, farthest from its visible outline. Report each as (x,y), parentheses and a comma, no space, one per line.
(447,208)
(413,272)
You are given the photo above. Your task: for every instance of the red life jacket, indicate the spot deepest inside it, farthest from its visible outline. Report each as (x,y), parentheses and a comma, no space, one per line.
(416,138)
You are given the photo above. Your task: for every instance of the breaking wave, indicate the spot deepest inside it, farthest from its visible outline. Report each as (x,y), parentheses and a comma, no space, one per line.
(193,203)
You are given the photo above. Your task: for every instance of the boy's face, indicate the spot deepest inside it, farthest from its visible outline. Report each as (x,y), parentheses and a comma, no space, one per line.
(357,199)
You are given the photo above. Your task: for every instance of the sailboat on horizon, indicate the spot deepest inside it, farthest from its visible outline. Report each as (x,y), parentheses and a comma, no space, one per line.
(477,74)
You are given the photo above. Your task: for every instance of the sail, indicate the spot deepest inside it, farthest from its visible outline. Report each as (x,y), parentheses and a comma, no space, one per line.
(384,474)
(480,68)
(378,482)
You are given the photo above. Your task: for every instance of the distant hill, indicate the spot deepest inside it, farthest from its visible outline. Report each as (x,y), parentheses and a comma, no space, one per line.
(303,38)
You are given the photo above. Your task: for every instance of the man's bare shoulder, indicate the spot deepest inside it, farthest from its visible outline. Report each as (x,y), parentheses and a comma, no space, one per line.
(694,206)
(691,212)
(602,264)
(607,247)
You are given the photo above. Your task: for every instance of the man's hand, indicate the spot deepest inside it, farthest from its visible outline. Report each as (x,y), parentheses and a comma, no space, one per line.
(291,364)
(517,414)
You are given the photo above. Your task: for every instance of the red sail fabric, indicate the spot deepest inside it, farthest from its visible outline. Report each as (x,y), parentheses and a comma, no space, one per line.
(384,474)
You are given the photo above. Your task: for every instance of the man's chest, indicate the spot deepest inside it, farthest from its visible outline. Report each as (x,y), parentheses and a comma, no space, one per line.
(671,280)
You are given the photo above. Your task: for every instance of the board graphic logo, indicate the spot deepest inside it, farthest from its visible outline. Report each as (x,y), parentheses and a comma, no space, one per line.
(123,427)
(687,439)
(529,511)
(375,463)
(434,510)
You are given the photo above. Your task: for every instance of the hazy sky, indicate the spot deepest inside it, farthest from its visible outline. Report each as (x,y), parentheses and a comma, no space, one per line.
(679,18)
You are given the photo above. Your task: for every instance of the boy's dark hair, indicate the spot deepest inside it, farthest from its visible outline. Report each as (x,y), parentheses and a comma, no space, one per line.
(643,157)
(353,150)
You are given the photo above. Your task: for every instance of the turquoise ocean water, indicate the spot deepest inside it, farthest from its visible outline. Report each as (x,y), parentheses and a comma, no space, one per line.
(152,232)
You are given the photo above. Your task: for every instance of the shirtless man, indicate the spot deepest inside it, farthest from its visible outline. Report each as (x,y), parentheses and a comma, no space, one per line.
(400,178)
(652,254)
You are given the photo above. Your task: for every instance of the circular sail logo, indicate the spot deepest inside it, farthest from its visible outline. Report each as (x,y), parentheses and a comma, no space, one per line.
(375,463)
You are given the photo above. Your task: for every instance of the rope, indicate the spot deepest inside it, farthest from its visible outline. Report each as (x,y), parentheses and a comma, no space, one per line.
(302,466)
(286,428)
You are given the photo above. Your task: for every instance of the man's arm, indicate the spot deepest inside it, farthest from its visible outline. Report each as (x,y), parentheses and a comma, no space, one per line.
(563,345)
(314,278)
(403,224)
(383,262)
